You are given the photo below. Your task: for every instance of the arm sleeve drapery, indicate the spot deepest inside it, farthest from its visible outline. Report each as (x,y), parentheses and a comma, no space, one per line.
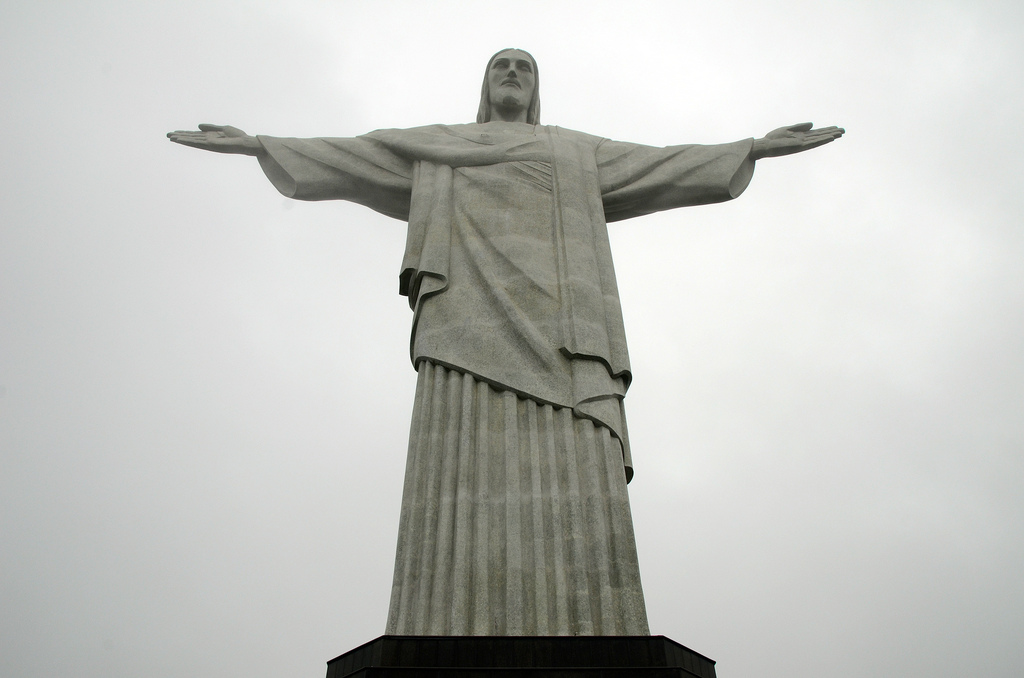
(360,169)
(637,180)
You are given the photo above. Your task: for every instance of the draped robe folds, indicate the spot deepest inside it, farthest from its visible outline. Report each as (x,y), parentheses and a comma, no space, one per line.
(508,267)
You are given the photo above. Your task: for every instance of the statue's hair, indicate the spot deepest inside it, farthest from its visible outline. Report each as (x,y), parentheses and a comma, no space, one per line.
(532,111)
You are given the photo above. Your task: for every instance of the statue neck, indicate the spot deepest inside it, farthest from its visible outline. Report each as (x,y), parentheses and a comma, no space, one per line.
(508,114)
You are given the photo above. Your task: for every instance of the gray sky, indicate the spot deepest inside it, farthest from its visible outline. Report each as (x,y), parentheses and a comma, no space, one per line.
(205,387)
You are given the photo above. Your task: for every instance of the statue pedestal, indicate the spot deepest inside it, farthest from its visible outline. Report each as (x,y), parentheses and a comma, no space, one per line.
(521,657)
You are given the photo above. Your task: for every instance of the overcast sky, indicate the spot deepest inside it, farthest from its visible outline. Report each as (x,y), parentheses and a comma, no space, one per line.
(205,387)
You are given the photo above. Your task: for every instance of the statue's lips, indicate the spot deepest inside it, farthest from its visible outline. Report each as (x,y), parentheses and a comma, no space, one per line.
(511,82)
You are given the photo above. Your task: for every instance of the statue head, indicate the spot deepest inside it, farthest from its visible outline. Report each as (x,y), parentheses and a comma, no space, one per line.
(511,84)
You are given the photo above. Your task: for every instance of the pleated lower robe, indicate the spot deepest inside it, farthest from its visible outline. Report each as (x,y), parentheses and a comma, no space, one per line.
(515,519)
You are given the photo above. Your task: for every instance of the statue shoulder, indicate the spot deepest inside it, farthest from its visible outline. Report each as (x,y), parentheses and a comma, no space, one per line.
(581,138)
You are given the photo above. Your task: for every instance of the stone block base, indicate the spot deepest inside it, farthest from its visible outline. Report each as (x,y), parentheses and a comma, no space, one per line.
(521,657)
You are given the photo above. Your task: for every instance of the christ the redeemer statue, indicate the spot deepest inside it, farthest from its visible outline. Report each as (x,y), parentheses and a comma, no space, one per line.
(515,517)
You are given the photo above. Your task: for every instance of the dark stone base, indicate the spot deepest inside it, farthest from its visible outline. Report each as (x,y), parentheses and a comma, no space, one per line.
(521,657)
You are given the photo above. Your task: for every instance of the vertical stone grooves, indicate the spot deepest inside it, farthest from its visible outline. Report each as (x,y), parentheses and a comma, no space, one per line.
(625,568)
(600,584)
(463,530)
(613,506)
(554,533)
(515,520)
(430,501)
(498,536)
(439,592)
(608,511)
(480,583)
(579,585)
(539,611)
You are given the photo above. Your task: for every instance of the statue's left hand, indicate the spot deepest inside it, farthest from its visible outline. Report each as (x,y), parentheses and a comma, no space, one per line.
(218,138)
(793,139)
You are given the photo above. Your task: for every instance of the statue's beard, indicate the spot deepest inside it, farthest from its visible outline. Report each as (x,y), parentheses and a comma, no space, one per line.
(509,106)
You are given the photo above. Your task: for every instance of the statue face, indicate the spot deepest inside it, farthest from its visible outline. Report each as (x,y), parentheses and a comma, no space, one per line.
(511,80)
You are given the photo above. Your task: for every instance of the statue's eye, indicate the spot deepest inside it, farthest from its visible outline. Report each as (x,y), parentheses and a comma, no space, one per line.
(500,63)
(525,66)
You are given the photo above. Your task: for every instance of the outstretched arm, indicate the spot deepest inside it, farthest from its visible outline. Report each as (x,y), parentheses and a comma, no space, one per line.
(793,139)
(220,139)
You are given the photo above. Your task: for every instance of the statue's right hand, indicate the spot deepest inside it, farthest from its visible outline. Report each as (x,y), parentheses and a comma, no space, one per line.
(218,138)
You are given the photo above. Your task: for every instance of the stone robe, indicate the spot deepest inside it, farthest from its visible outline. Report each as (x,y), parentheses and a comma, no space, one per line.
(509,273)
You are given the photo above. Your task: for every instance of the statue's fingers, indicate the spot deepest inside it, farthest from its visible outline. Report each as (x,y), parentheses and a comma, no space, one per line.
(818,141)
(833,131)
(194,139)
(814,135)
(802,127)
(207,127)
(814,142)
(827,131)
